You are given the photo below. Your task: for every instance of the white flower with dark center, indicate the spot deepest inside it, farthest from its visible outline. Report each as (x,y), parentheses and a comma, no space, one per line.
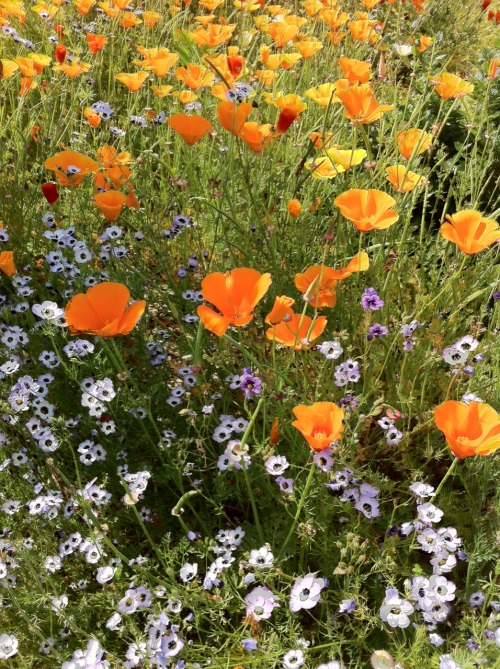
(188,572)
(442,589)
(261,558)
(428,513)
(293,659)
(396,611)
(306,592)
(47,311)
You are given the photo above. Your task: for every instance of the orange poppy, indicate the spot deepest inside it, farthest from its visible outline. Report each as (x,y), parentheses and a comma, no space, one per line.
(70,167)
(281,311)
(469,429)
(294,208)
(355,71)
(256,136)
(308,47)
(84,6)
(150,19)
(93,118)
(96,42)
(195,76)
(73,69)
(159,61)
(275,432)
(367,209)
(470,231)
(212,35)
(413,140)
(403,180)
(103,311)
(493,68)
(8,68)
(334,18)
(161,91)
(320,423)
(297,331)
(26,85)
(7,265)
(362,30)
(318,283)
(424,43)
(110,203)
(232,117)
(60,53)
(361,105)
(235,294)
(133,81)
(190,128)
(27,66)
(281,32)
(129,20)
(449,86)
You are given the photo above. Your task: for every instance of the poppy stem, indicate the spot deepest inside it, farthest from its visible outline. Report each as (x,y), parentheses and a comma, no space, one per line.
(445,477)
(243,441)
(300,505)
(366,141)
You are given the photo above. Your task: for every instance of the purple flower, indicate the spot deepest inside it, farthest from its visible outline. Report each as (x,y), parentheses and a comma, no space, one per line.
(496,295)
(368,506)
(286,485)
(276,465)
(476,599)
(376,331)
(249,644)
(347,606)
(323,459)
(370,301)
(349,402)
(250,384)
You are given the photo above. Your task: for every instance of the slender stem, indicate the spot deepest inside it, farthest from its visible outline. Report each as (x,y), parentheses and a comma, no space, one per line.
(245,472)
(445,477)
(301,503)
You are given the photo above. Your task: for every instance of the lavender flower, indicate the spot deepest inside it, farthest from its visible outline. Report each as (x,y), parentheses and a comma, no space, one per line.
(370,301)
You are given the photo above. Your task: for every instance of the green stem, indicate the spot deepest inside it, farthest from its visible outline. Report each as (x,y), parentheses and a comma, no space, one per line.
(301,503)
(445,477)
(245,472)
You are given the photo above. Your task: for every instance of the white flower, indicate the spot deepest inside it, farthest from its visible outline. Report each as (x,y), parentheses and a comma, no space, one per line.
(47,311)
(429,513)
(114,622)
(261,558)
(105,574)
(329,665)
(293,659)
(188,572)
(402,49)
(330,349)
(8,646)
(395,611)
(306,592)
(446,662)
(59,603)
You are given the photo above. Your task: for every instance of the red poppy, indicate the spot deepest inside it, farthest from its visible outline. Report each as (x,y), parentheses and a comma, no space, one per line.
(49,190)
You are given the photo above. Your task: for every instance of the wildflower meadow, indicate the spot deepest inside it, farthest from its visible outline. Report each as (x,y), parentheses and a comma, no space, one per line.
(249,334)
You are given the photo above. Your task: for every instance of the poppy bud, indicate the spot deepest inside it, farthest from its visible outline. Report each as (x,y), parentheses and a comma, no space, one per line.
(285,120)
(235,65)
(58,29)
(60,53)
(485,5)
(50,192)
(294,208)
